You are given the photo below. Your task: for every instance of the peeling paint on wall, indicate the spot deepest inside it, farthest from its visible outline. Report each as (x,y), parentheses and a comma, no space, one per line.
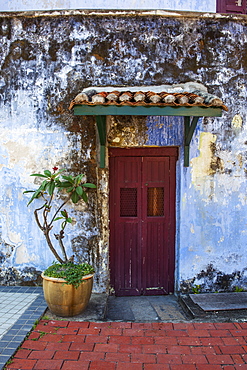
(206,164)
(237,121)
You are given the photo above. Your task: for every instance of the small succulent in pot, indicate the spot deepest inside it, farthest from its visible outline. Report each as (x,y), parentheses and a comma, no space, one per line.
(70,188)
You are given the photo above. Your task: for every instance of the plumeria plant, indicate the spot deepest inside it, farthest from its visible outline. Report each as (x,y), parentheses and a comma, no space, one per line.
(71,188)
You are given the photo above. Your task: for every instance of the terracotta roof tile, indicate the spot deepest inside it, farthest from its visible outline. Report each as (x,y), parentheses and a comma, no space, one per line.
(148,98)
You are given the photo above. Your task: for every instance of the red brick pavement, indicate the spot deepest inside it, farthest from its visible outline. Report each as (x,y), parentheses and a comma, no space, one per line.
(71,345)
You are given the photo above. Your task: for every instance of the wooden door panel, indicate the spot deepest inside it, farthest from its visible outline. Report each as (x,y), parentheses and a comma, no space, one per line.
(142,221)
(128,171)
(155,214)
(155,267)
(127,259)
(125,234)
(155,169)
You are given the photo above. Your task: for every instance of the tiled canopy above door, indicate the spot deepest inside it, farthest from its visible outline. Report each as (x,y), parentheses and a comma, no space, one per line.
(190,99)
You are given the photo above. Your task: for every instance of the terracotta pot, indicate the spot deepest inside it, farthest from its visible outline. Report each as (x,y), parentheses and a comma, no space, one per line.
(64,299)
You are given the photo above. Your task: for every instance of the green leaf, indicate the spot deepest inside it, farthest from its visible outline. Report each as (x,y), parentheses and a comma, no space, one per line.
(69,219)
(39,175)
(68,178)
(47,173)
(79,190)
(28,191)
(64,213)
(84,197)
(69,190)
(58,173)
(51,187)
(64,184)
(89,185)
(35,195)
(58,218)
(44,184)
(75,197)
(78,178)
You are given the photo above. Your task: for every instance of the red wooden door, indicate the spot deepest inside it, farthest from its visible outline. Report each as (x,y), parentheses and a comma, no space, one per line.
(231,6)
(142,220)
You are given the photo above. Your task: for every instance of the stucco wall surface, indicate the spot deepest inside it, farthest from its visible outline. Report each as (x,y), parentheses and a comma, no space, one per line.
(47,59)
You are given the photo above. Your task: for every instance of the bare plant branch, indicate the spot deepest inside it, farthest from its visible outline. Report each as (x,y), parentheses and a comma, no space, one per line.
(59,237)
(59,209)
(47,236)
(37,216)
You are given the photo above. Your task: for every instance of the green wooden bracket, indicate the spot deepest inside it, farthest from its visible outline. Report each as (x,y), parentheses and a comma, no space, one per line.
(101,126)
(189,128)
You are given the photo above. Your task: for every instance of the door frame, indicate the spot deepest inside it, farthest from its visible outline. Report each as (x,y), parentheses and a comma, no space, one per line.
(172,153)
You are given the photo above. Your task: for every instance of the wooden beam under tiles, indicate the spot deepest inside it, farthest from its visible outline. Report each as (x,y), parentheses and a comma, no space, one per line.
(124,110)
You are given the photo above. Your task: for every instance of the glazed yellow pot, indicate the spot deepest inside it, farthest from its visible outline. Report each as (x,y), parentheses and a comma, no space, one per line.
(64,299)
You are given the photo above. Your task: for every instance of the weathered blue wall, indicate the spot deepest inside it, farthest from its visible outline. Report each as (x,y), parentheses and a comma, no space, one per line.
(46,60)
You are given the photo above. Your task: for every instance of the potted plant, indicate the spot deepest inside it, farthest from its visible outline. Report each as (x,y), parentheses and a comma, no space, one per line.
(67,286)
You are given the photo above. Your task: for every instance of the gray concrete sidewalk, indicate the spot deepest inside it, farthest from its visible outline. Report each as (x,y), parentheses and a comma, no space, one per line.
(130,309)
(168,308)
(145,309)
